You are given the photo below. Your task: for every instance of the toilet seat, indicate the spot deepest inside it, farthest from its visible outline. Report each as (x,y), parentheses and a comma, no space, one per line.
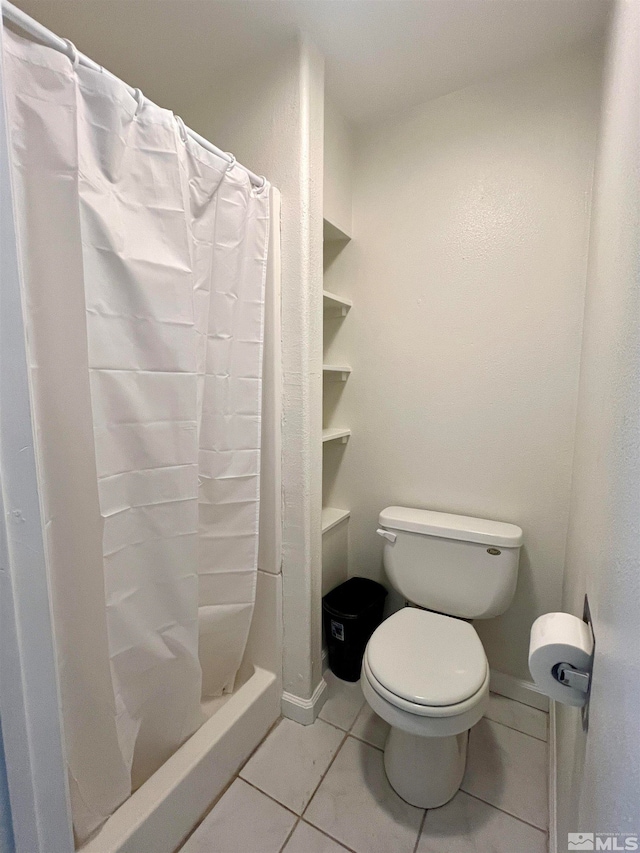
(421,710)
(428,663)
(405,630)
(420,719)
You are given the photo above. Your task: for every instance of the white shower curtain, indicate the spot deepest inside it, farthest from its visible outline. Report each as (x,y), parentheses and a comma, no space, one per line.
(143,261)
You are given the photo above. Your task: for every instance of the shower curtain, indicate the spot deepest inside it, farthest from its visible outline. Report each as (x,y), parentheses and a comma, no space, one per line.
(143,262)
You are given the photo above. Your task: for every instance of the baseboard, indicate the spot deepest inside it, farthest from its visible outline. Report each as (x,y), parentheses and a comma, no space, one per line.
(304,710)
(553,781)
(519,690)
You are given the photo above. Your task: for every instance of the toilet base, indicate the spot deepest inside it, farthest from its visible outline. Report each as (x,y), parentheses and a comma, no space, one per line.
(425,771)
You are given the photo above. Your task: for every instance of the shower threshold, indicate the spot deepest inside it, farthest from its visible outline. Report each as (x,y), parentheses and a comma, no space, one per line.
(162,812)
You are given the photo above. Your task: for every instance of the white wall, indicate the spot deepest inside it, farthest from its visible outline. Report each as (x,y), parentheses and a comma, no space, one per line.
(338,168)
(470,238)
(269,114)
(599,774)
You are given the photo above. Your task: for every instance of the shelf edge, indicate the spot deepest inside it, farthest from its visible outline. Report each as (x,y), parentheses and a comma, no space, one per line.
(335,434)
(332,517)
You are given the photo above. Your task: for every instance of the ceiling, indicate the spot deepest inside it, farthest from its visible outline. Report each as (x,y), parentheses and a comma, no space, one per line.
(382,56)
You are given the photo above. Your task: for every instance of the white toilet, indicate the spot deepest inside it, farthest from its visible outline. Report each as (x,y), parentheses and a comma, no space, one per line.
(425,671)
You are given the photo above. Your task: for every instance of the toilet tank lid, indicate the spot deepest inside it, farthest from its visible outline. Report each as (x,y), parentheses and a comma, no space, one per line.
(449,526)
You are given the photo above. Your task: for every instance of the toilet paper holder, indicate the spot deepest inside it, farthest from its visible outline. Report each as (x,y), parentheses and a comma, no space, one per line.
(572,677)
(566,679)
(579,678)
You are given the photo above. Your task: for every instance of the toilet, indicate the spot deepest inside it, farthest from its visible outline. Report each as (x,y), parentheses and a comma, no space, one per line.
(425,671)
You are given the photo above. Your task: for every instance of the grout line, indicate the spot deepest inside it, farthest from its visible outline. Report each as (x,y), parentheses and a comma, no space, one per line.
(327,723)
(326,834)
(511,728)
(337,726)
(275,725)
(514,729)
(367,742)
(269,797)
(522,705)
(235,776)
(518,702)
(424,817)
(345,736)
(335,755)
(293,829)
(504,811)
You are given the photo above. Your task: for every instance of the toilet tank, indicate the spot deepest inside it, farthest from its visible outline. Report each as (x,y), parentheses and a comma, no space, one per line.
(454,564)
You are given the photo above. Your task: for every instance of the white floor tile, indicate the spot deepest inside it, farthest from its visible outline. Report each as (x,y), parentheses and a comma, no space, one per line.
(344,700)
(508,769)
(244,821)
(292,760)
(307,839)
(467,825)
(517,716)
(356,805)
(370,727)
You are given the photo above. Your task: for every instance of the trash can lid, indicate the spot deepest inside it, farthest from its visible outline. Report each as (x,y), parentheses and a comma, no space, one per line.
(353,597)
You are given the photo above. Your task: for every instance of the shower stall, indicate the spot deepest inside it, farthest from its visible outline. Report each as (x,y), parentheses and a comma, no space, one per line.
(140,350)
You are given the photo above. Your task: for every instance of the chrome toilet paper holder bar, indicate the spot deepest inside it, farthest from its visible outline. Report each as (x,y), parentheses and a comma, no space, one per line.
(579,679)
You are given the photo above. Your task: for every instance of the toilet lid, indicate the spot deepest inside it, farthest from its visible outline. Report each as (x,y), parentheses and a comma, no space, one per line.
(427,658)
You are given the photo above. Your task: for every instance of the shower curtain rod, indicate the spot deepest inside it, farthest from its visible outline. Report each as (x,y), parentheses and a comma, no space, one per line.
(42,34)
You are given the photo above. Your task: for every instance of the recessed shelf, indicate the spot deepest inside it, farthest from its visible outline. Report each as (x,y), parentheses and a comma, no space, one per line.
(331,517)
(336,371)
(335,434)
(334,304)
(331,233)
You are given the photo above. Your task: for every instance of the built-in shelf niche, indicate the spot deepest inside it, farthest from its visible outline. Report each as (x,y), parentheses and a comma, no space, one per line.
(335,308)
(331,517)
(334,305)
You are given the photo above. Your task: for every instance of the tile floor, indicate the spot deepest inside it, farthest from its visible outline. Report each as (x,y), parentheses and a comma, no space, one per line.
(322,789)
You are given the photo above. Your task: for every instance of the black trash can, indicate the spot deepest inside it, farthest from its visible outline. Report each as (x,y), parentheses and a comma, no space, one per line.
(351,613)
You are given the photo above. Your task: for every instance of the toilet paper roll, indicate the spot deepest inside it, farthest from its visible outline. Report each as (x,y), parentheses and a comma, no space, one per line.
(559,638)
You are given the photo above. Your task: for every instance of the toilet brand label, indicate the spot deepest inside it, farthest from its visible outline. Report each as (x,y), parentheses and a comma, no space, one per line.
(337,630)
(602,841)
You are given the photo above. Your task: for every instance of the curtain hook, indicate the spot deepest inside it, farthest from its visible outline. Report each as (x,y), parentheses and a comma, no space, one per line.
(72,53)
(182,129)
(232,162)
(137,94)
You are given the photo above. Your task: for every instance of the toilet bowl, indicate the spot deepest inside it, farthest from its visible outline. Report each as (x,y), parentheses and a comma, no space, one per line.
(427,675)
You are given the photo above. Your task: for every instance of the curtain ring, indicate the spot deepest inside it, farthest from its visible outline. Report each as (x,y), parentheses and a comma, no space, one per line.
(262,186)
(182,129)
(72,53)
(137,94)
(233,161)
